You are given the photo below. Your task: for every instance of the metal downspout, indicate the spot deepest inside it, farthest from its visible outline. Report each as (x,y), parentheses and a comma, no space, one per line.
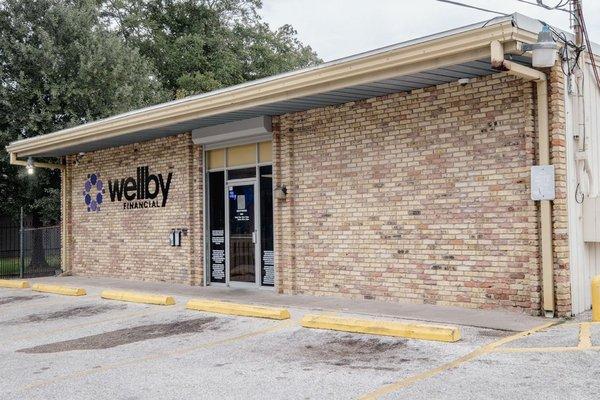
(540,79)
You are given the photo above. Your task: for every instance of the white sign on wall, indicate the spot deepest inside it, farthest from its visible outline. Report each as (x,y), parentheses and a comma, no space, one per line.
(542,182)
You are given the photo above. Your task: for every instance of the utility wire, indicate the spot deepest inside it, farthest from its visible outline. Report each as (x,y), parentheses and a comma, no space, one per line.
(589,46)
(578,16)
(559,6)
(456,3)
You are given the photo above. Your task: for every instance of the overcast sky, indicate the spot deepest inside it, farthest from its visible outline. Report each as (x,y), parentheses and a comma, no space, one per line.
(338,28)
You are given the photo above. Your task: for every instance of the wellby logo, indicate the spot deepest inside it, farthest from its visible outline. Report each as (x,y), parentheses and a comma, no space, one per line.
(93,192)
(140,192)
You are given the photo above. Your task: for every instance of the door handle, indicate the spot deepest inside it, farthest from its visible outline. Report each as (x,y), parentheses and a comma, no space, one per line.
(254,237)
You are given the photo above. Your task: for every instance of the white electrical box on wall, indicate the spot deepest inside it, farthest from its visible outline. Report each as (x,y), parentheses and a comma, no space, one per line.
(591,219)
(542,182)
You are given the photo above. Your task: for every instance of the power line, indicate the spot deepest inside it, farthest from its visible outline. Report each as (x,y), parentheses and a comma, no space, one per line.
(456,3)
(541,4)
(588,43)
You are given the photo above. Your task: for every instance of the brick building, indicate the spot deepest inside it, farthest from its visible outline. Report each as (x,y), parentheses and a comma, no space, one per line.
(402,174)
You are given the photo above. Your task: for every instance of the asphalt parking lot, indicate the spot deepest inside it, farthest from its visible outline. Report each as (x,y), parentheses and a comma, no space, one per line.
(59,347)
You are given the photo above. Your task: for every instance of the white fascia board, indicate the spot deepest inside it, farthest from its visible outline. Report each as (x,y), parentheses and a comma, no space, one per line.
(445,48)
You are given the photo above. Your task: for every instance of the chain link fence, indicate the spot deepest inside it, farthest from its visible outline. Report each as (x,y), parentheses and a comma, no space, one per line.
(29,252)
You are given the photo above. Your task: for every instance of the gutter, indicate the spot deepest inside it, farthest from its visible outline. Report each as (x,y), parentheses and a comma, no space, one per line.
(540,79)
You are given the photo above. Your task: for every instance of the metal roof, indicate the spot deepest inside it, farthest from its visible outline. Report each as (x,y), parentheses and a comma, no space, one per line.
(399,83)
(352,93)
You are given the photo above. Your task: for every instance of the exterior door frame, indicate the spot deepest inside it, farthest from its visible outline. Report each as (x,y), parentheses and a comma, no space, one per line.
(256,234)
(207,281)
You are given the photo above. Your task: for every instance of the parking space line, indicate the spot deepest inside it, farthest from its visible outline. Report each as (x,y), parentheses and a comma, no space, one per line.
(585,341)
(577,323)
(543,349)
(160,355)
(402,383)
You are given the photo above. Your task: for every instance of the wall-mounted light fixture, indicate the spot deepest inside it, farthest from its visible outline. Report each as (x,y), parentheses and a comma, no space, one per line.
(79,156)
(545,50)
(29,165)
(280,192)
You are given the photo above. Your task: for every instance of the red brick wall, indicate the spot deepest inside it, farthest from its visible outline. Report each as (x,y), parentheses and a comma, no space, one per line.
(420,196)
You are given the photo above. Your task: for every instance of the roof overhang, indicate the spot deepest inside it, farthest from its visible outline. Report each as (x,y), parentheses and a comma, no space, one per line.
(428,61)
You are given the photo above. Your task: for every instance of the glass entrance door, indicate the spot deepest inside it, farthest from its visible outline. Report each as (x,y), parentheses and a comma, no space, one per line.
(242,232)
(239,240)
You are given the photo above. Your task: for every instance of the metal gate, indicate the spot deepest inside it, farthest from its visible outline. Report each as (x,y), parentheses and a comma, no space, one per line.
(29,252)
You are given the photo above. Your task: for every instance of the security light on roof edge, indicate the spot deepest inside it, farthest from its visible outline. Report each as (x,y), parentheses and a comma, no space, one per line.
(545,50)
(29,166)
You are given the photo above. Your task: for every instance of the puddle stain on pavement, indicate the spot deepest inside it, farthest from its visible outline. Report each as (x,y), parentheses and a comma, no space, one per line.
(356,352)
(72,312)
(124,336)
(14,299)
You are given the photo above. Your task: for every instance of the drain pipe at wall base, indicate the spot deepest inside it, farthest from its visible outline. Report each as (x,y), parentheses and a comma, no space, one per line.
(540,79)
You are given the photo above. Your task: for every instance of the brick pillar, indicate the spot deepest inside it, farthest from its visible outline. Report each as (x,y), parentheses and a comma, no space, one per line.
(66,216)
(558,158)
(196,213)
(278,207)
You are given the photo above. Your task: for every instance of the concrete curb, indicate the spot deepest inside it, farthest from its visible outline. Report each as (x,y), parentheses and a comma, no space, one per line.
(57,289)
(13,284)
(133,297)
(439,333)
(245,310)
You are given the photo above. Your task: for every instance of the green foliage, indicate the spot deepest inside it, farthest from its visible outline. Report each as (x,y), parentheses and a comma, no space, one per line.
(68,62)
(60,67)
(201,45)
(45,206)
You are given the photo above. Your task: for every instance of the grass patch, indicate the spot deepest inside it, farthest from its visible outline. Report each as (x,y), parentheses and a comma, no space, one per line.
(11,265)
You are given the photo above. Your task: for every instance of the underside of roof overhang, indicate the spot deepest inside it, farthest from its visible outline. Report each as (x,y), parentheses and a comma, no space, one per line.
(429,61)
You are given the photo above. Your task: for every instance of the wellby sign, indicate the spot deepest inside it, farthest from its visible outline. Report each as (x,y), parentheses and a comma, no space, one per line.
(139,192)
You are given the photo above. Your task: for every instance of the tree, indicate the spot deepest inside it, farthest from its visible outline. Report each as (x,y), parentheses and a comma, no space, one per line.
(68,62)
(59,67)
(200,45)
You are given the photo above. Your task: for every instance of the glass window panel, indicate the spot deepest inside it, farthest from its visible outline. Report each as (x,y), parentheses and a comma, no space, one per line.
(216,158)
(241,173)
(265,152)
(241,155)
